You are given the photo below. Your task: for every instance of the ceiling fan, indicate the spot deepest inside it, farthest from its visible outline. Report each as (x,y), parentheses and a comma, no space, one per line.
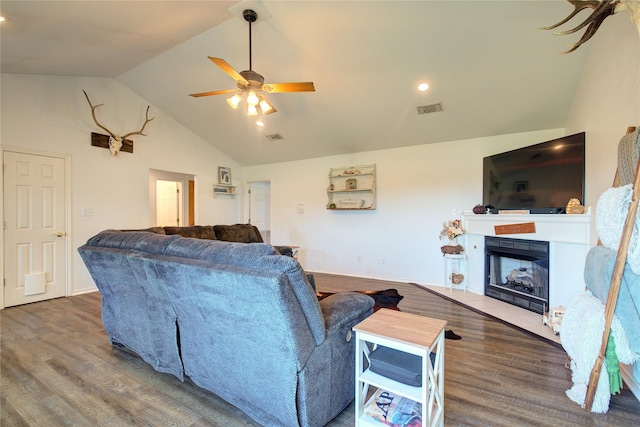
(251,83)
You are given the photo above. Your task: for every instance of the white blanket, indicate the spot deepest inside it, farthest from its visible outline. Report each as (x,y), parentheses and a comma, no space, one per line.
(581,336)
(611,214)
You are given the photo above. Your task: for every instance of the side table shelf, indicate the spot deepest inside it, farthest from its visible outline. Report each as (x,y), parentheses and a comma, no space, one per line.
(410,333)
(455,271)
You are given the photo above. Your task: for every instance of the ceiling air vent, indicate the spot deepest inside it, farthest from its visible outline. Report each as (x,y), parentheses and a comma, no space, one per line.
(432,108)
(275,137)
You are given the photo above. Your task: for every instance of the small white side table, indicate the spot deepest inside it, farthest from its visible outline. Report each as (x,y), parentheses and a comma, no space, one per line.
(409,333)
(455,271)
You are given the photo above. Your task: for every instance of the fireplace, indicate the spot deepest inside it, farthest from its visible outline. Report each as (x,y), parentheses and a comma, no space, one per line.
(517,272)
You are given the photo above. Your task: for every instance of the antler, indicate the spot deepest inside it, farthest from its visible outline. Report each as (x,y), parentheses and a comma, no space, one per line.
(93,113)
(601,10)
(147,120)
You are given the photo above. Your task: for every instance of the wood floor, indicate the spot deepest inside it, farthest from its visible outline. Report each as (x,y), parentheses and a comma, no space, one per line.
(58,369)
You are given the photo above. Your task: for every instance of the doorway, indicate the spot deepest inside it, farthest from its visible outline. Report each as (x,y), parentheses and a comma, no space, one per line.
(36,257)
(172,198)
(259,207)
(169,203)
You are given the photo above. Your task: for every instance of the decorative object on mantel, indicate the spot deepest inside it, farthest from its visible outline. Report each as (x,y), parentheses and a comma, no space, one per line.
(114,142)
(452,230)
(479,209)
(574,207)
(524,227)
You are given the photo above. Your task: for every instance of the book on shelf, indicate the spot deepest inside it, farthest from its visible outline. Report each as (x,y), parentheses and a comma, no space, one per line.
(392,410)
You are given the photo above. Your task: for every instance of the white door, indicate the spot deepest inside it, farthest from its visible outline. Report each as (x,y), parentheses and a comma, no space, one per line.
(168,203)
(35,238)
(259,208)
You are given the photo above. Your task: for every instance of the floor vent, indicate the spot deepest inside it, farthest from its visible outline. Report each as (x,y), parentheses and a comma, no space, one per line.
(275,137)
(432,108)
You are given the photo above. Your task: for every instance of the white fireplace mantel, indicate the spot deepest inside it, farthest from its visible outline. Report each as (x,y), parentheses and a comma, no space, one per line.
(569,242)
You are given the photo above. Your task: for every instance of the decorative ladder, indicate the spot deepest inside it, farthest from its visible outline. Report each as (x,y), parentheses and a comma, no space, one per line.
(616,278)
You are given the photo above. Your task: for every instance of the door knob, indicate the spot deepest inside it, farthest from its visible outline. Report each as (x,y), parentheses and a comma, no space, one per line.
(58,234)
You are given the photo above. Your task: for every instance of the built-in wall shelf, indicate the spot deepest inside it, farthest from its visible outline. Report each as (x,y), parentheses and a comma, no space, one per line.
(352,188)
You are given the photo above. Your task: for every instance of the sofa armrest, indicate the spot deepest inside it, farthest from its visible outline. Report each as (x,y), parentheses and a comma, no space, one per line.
(284,250)
(345,309)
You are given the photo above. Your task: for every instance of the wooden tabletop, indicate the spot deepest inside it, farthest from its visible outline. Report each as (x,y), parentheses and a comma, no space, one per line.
(411,328)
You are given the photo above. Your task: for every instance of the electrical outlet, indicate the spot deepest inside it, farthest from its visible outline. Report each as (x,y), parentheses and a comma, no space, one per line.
(87,212)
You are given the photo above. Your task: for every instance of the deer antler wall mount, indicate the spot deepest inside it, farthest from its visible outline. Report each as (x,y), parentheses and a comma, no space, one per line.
(601,10)
(113,141)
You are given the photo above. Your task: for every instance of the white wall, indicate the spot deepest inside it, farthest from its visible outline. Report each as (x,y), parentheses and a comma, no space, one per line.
(50,114)
(417,189)
(419,186)
(607,101)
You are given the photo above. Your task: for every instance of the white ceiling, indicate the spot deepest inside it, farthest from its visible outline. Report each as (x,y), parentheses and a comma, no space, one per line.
(492,69)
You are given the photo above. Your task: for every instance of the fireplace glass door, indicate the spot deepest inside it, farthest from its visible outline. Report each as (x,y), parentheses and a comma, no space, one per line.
(517,272)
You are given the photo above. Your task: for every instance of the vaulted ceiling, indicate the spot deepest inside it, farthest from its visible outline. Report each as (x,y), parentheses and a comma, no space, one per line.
(487,62)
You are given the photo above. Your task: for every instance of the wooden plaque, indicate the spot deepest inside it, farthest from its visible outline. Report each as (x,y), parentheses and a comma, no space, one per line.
(99,140)
(525,227)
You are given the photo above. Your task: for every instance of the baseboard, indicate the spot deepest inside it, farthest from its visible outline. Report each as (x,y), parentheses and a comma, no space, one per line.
(83,291)
(627,377)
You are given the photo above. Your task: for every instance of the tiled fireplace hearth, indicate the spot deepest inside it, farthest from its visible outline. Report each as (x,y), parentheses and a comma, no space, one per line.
(568,238)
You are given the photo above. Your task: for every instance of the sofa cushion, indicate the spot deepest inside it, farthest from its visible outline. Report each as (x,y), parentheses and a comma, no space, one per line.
(197,231)
(157,230)
(137,240)
(244,233)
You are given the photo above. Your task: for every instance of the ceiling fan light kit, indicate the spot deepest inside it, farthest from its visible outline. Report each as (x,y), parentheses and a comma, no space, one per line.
(251,84)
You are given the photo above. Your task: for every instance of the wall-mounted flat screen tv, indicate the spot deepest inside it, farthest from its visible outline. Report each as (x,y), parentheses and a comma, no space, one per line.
(541,178)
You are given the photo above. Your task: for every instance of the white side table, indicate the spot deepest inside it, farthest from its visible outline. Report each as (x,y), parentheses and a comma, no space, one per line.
(410,333)
(455,271)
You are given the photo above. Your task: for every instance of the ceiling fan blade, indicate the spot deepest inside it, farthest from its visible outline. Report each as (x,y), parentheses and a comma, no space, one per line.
(215,92)
(289,87)
(224,65)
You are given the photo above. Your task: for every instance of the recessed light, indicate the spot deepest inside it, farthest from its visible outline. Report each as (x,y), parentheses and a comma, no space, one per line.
(2,19)
(260,123)
(422,87)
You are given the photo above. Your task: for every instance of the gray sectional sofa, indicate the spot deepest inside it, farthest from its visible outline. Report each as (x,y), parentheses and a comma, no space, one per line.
(238,319)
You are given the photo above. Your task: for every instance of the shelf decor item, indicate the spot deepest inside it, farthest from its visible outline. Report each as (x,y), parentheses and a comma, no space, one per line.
(451,230)
(224,175)
(351,204)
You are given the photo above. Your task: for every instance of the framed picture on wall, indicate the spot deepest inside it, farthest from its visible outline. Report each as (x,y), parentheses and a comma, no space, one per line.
(224,175)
